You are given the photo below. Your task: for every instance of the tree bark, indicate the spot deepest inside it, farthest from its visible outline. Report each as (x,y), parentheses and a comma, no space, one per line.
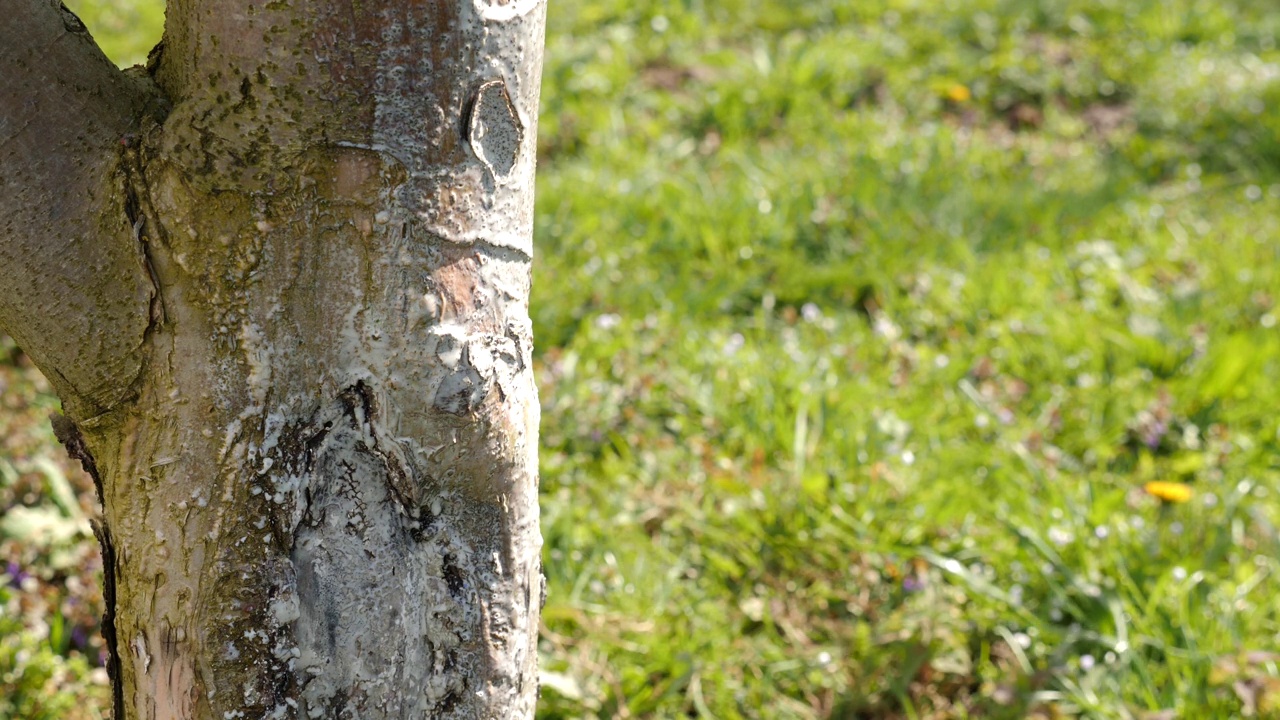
(280,281)
(75,289)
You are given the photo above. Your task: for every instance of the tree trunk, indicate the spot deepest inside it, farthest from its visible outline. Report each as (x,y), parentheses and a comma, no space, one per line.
(280,281)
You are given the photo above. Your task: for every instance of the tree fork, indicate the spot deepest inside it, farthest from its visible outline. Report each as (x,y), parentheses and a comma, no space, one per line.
(297,355)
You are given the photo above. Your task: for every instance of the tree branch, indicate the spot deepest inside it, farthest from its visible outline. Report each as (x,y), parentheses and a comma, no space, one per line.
(74,288)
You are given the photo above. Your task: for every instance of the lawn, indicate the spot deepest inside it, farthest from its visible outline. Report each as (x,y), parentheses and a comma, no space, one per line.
(898,359)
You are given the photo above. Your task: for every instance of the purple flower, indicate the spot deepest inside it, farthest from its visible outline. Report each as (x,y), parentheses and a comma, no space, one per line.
(1154,433)
(16,574)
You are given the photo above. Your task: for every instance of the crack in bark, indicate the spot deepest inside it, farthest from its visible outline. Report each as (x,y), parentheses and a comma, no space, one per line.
(402,483)
(70,20)
(136,190)
(68,433)
(103,533)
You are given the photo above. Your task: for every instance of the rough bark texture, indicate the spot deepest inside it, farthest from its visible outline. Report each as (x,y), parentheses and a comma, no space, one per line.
(67,245)
(308,393)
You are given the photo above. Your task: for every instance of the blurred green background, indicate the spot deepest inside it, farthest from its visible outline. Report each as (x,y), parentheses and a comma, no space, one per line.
(864,330)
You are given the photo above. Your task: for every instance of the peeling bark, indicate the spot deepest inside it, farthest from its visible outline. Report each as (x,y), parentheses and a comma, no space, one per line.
(318,453)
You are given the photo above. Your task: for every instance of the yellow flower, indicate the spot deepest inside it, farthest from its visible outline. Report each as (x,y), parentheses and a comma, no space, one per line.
(1170,492)
(958,93)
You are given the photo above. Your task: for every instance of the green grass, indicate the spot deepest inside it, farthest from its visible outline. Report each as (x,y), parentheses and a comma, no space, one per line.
(851,383)
(862,326)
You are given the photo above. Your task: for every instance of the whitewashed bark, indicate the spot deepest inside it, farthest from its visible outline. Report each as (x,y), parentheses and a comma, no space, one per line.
(318,464)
